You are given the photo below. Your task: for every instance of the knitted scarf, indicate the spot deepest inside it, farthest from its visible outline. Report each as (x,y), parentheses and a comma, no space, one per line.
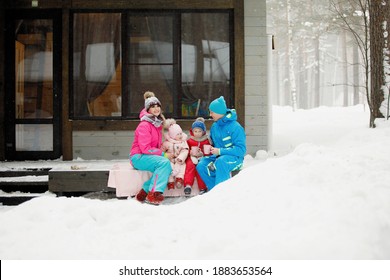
(157,122)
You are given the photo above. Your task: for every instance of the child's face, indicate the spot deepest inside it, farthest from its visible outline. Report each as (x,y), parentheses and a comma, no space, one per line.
(155,110)
(179,136)
(197,132)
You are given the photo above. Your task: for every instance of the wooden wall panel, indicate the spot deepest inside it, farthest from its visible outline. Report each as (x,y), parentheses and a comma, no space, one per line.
(42,4)
(122,4)
(153,4)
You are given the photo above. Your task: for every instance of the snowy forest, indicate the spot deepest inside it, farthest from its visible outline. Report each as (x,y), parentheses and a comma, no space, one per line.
(330,53)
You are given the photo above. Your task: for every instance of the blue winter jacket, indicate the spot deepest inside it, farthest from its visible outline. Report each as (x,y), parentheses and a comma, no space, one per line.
(228,135)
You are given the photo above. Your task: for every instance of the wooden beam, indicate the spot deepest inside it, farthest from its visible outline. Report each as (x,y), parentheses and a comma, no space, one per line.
(153,4)
(66,130)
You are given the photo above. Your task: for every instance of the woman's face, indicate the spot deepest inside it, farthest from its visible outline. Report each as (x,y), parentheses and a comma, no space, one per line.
(155,110)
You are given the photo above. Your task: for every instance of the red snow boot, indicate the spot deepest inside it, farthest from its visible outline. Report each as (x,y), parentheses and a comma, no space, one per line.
(141,195)
(154,198)
(171,185)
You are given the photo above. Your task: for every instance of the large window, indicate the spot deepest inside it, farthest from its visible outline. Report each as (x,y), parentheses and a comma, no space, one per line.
(97,85)
(183,57)
(205,61)
(151,63)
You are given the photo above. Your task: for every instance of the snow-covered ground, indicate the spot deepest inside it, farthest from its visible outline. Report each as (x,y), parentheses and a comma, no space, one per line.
(323,192)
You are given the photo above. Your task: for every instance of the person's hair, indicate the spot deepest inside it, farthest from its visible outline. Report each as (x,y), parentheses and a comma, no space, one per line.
(149,94)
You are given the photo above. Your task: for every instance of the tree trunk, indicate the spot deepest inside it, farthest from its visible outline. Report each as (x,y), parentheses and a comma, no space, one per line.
(344,59)
(356,79)
(386,58)
(293,87)
(376,53)
(317,72)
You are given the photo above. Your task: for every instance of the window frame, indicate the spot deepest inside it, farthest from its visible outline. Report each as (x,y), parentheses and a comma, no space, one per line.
(176,63)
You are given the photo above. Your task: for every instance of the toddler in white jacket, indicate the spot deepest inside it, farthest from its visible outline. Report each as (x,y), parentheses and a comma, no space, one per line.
(176,143)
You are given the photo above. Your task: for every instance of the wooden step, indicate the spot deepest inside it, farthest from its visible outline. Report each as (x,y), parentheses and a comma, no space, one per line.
(15,200)
(63,181)
(24,172)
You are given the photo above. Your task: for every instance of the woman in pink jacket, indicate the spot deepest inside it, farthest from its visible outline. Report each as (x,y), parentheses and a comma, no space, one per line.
(146,154)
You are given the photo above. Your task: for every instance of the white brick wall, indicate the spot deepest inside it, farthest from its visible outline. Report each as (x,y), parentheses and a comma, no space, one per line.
(256,86)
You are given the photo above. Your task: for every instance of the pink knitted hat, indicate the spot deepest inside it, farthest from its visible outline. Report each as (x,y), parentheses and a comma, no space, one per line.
(174,130)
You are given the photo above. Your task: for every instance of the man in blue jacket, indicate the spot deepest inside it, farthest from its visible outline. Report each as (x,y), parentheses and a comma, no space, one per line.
(229,145)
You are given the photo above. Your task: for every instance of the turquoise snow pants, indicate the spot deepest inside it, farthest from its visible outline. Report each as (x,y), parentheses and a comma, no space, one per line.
(215,170)
(160,167)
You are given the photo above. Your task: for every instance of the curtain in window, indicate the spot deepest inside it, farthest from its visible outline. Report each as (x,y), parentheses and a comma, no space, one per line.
(205,61)
(150,60)
(96,54)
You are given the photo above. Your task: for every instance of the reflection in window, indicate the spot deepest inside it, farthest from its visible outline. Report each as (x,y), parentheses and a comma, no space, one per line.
(184,58)
(34,137)
(150,61)
(34,69)
(205,61)
(96,64)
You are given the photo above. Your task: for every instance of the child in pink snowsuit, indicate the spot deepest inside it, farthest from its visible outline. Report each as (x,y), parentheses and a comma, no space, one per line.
(176,143)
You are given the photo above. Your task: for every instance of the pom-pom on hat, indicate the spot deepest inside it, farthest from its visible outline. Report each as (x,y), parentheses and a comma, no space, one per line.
(148,94)
(218,106)
(199,123)
(173,128)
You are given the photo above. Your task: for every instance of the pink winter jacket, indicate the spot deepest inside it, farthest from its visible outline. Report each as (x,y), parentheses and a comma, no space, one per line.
(147,138)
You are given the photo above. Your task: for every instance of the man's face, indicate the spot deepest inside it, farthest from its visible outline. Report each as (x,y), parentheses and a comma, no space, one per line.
(215,116)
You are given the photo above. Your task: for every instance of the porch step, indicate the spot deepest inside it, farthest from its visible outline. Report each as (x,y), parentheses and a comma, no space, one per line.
(15,172)
(62,181)
(24,186)
(15,200)
(20,185)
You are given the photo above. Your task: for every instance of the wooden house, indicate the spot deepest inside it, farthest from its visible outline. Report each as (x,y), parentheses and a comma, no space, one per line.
(73,72)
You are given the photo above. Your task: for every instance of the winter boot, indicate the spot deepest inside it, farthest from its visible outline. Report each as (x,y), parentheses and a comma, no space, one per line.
(154,198)
(141,195)
(179,183)
(203,191)
(171,185)
(187,190)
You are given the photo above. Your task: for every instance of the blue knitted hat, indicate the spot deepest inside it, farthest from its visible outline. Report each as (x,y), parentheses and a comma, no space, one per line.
(218,106)
(199,123)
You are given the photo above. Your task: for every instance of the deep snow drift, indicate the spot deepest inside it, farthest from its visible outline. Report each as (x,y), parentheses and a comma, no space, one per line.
(325,195)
